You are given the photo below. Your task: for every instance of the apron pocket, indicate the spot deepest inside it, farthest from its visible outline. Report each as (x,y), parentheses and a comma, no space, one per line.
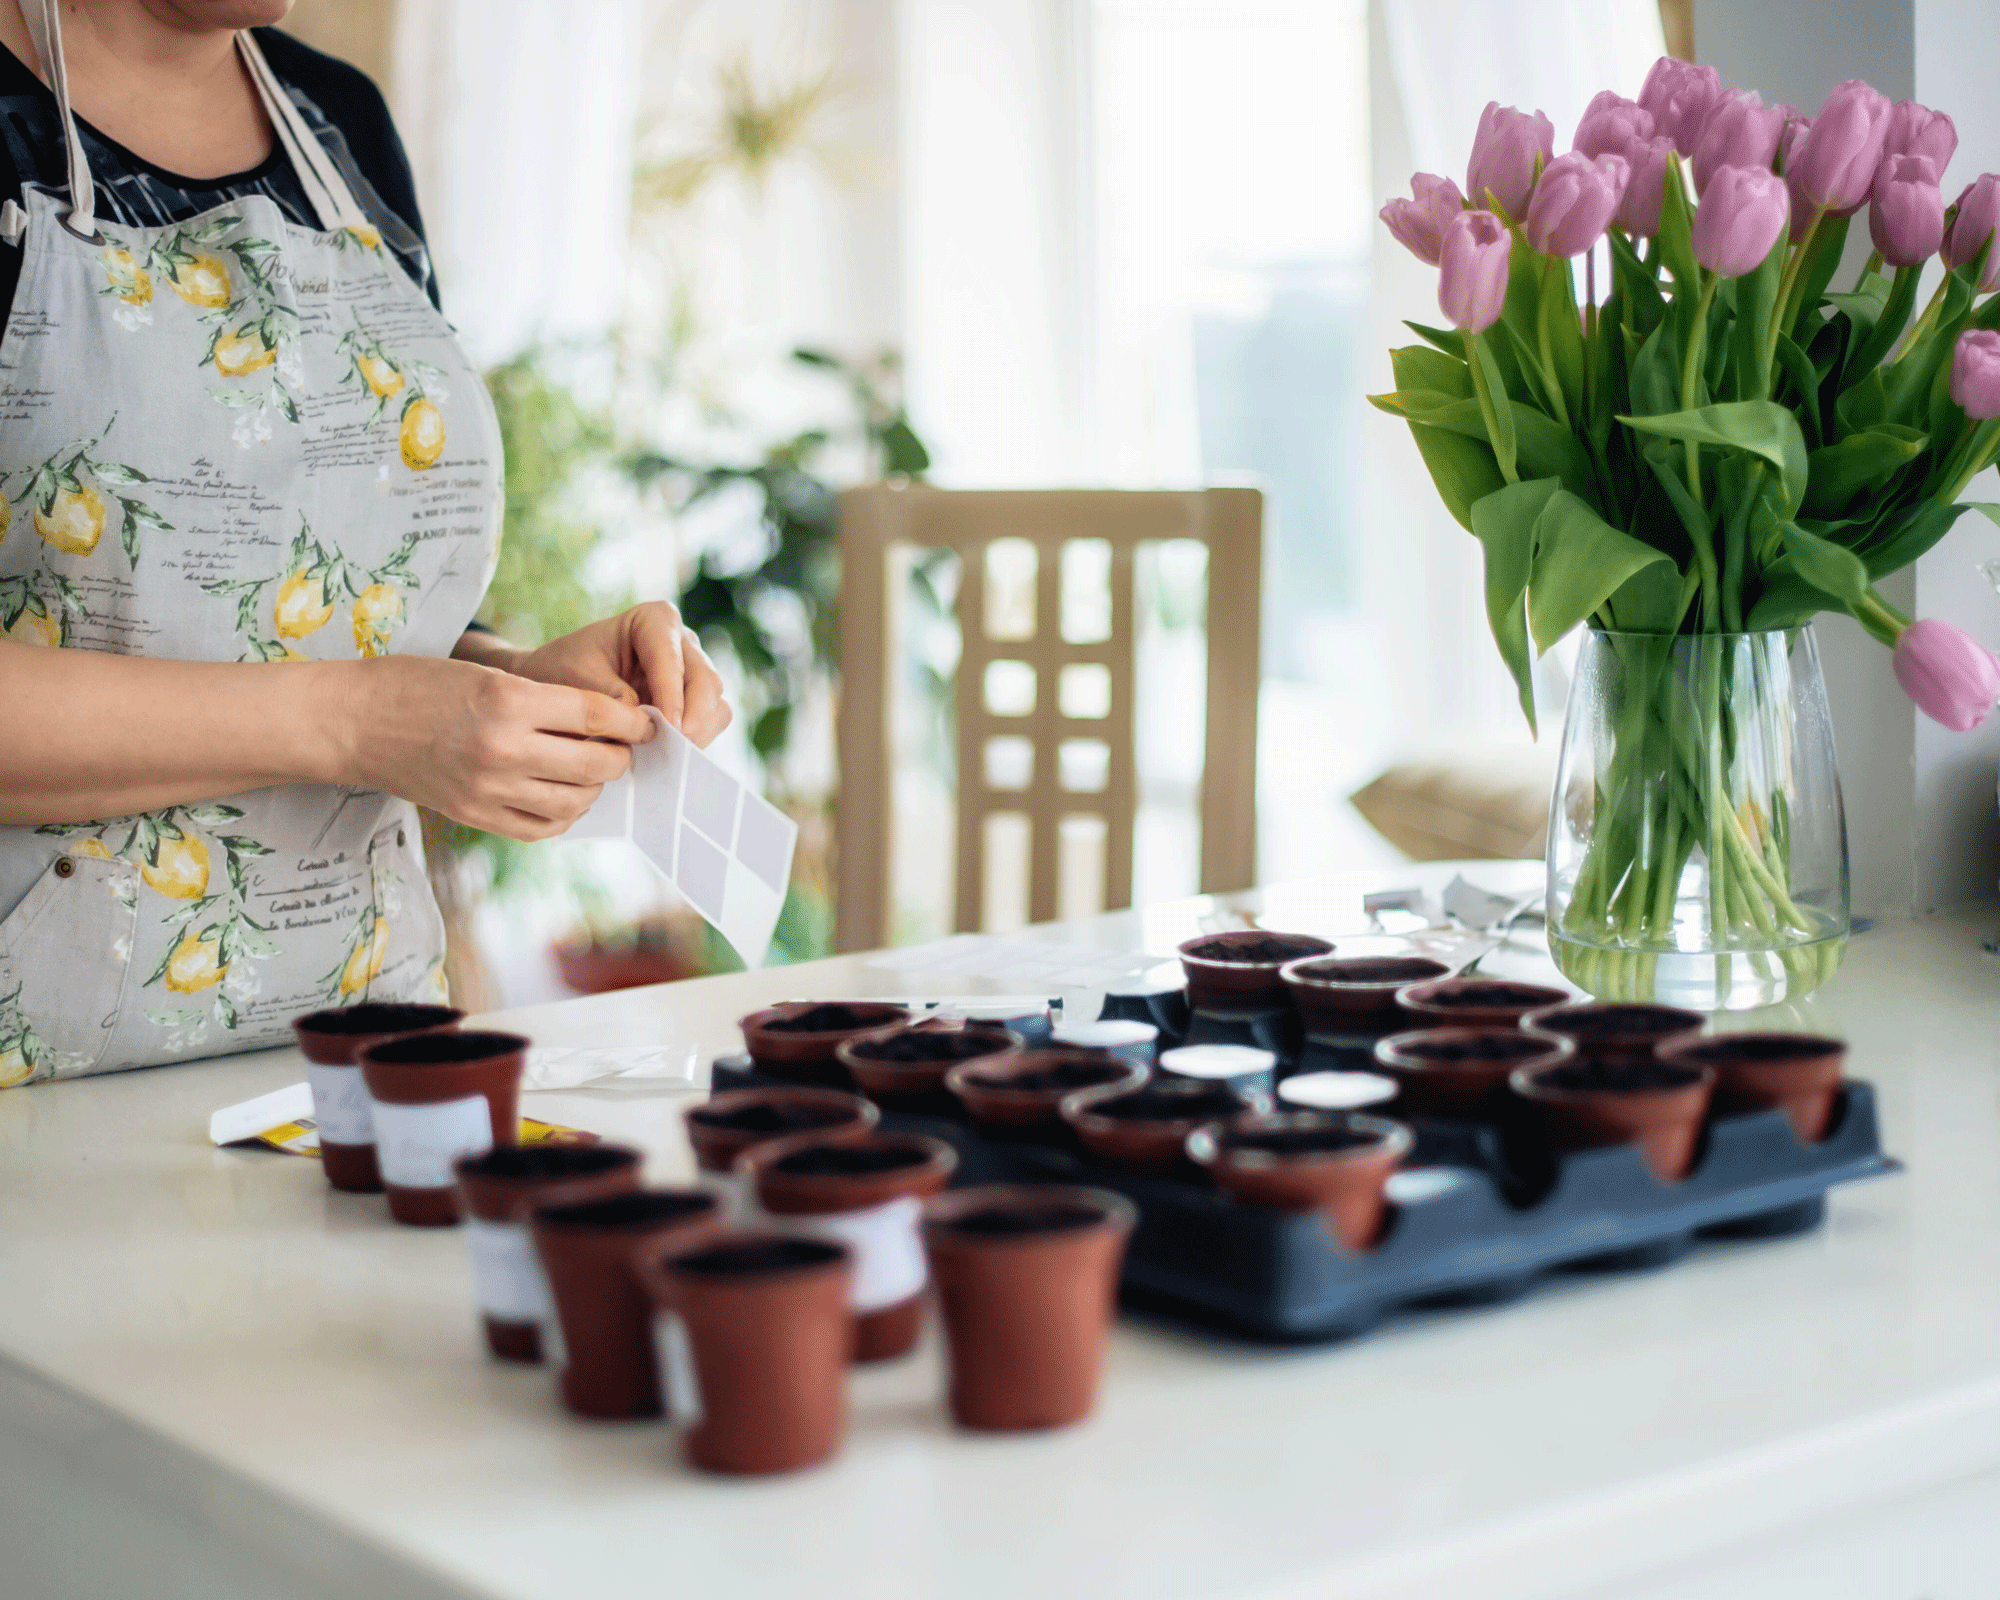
(65,954)
(405,942)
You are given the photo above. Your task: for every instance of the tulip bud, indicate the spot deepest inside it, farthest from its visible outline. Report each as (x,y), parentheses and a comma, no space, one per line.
(1472,270)
(1609,124)
(1639,211)
(1906,214)
(1978,215)
(1952,677)
(1741,214)
(1975,373)
(1678,96)
(1836,157)
(1574,203)
(1916,130)
(1740,132)
(1503,156)
(1419,224)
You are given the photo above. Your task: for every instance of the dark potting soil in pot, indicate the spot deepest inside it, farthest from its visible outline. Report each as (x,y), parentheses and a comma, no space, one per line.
(1626,1077)
(1025,1220)
(945,1046)
(1757,1047)
(757,1256)
(1253,952)
(1486,996)
(424,1049)
(1299,1141)
(1153,1104)
(1063,1075)
(850,1161)
(380,1019)
(630,1210)
(1491,1047)
(831,1018)
(547,1161)
(1617,1019)
(1388,969)
(778,1118)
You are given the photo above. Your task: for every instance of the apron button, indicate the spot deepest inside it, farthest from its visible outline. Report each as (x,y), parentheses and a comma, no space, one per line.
(65,867)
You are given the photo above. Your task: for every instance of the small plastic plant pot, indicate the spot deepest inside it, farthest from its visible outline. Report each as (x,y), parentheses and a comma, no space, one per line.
(1339,994)
(1026,1093)
(1614,1030)
(1333,1162)
(1145,1128)
(1463,1072)
(1238,970)
(907,1067)
(1657,1105)
(1027,1281)
(723,1126)
(866,1194)
(1475,1002)
(797,1039)
(1252,1070)
(590,1255)
(1137,1042)
(435,1097)
(753,1337)
(498,1190)
(1799,1072)
(332,1042)
(1335,1091)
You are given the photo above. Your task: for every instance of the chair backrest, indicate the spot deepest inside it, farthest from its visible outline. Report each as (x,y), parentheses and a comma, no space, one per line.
(875,519)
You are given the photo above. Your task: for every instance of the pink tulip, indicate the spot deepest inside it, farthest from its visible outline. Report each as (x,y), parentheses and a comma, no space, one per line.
(1679,95)
(1610,124)
(1906,217)
(1574,203)
(1975,373)
(1835,158)
(1472,270)
(1741,215)
(1978,215)
(1639,211)
(1916,130)
(1419,224)
(1952,677)
(1503,156)
(1740,132)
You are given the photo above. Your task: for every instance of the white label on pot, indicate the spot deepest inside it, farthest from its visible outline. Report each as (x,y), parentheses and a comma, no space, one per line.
(1337,1091)
(888,1255)
(506,1276)
(340,1105)
(676,1354)
(416,1145)
(738,1194)
(1216,1062)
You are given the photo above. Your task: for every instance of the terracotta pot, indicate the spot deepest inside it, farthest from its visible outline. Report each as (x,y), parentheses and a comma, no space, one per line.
(1137,1042)
(435,1097)
(1252,1070)
(866,1194)
(332,1042)
(1762,1071)
(723,1126)
(1336,994)
(1475,1002)
(1145,1129)
(753,1334)
(797,1039)
(1616,1030)
(1239,969)
(1333,1162)
(1027,1281)
(907,1067)
(590,1254)
(600,969)
(498,1190)
(1656,1105)
(1027,1091)
(1462,1072)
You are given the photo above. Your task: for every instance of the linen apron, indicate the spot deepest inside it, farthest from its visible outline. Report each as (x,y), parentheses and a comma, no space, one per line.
(228,439)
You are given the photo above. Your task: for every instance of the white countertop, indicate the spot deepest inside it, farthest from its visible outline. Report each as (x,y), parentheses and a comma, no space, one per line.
(213,1354)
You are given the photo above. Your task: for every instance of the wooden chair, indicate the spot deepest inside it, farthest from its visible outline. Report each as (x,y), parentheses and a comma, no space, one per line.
(875,519)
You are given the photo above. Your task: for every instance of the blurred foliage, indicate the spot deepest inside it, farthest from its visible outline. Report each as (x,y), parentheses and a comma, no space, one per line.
(757,125)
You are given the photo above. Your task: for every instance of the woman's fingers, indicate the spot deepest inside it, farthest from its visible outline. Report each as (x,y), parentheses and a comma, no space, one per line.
(557,708)
(558,758)
(656,635)
(706,713)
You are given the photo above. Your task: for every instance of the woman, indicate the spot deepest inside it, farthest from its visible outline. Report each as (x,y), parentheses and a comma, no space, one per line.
(235,432)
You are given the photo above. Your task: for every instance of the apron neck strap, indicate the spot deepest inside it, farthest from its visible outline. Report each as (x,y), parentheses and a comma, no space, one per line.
(327,191)
(45,29)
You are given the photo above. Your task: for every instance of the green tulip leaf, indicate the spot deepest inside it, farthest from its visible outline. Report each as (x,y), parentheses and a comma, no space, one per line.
(1504,523)
(1827,566)
(1788,600)
(1674,241)
(1861,462)
(1759,428)
(1580,561)
(1462,469)
(1419,367)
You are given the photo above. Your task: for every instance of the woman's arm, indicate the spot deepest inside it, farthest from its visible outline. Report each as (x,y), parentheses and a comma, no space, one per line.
(85,735)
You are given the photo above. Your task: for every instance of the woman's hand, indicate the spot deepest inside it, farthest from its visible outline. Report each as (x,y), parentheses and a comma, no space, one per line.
(645,656)
(486,748)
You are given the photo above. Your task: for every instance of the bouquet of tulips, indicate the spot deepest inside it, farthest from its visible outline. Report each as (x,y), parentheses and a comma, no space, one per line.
(1727,443)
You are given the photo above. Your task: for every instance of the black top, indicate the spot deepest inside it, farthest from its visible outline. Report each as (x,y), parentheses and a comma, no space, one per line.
(339,103)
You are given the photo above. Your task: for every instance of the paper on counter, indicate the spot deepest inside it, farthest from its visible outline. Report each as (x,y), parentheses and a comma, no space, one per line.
(593,1067)
(1007,959)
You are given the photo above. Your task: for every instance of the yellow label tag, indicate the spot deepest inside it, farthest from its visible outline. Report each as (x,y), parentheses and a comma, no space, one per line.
(301,1138)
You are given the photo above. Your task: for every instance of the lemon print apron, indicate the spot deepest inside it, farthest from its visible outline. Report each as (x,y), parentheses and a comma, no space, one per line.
(229,439)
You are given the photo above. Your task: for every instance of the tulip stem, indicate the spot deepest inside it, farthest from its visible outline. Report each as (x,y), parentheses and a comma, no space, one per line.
(1879,618)
(1704,541)
(1978,452)
(1782,313)
(1871,268)
(1548,349)
(1485,397)
(1923,322)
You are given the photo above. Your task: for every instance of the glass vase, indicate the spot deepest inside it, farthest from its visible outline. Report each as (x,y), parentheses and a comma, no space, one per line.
(1697,843)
